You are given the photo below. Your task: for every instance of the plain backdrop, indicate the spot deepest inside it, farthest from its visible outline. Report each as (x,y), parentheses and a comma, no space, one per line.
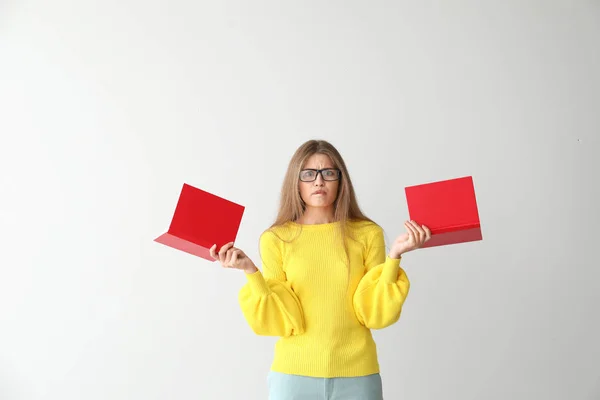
(108,107)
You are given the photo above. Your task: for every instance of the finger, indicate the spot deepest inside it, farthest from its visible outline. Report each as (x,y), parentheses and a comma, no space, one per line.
(234,258)
(212,251)
(427,233)
(223,251)
(419,230)
(228,256)
(412,233)
(416,227)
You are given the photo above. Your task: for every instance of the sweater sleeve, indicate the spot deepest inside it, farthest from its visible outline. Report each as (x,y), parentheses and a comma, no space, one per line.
(267,300)
(381,293)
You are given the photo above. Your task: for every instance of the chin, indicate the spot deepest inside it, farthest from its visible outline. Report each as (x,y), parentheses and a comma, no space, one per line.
(321,205)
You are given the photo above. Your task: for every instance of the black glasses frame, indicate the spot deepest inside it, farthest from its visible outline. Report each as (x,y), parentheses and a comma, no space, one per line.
(320,171)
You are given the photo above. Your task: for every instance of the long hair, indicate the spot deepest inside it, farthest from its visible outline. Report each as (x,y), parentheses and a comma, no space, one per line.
(291,205)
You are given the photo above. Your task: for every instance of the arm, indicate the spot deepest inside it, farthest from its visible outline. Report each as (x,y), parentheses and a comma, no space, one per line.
(381,293)
(267,300)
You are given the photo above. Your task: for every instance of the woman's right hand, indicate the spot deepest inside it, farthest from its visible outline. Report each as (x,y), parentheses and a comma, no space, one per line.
(232,257)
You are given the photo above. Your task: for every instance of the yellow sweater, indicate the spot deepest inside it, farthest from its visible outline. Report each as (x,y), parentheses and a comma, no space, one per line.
(302,296)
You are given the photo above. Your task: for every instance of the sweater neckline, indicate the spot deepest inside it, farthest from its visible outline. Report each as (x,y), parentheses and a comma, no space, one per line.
(316,226)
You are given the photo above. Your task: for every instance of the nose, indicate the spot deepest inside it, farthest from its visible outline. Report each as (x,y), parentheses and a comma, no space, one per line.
(319,181)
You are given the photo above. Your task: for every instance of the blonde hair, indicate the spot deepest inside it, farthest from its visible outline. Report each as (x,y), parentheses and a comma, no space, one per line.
(291,205)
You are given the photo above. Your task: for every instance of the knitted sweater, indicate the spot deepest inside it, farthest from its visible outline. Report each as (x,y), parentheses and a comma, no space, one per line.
(303,295)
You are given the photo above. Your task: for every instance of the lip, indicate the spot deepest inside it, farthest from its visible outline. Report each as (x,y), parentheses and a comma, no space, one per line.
(319,192)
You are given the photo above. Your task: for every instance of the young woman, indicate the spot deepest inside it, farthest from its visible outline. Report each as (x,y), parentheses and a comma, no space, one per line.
(326,281)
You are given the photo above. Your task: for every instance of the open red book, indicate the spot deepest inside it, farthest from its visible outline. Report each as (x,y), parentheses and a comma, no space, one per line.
(448,208)
(202,219)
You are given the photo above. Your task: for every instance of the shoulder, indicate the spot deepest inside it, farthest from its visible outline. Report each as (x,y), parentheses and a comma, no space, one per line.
(365,229)
(276,235)
(269,236)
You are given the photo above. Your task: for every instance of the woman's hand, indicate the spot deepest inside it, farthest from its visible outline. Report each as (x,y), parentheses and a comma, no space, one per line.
(414,238)
(232,257)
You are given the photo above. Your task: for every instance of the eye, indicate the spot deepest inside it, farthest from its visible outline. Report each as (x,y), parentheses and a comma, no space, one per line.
(307,174)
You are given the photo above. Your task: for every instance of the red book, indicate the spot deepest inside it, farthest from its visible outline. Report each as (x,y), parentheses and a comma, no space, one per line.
(202,219)
(448,208)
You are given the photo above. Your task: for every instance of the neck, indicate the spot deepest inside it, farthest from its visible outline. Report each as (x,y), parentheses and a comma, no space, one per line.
(317,215)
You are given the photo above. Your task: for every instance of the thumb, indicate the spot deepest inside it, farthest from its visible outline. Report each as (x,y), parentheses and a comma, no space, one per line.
(403,237)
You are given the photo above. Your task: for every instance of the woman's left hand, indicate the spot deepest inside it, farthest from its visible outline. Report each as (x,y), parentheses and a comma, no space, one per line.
(414,238)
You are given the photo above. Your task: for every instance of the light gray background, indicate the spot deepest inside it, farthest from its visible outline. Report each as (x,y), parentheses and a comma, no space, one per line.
(108,107)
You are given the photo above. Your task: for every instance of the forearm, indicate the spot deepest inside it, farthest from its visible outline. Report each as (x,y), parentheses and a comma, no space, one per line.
(381,294)
(271,307)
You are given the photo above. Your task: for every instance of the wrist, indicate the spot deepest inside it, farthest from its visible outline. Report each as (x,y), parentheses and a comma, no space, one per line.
(395,255)
(251,270)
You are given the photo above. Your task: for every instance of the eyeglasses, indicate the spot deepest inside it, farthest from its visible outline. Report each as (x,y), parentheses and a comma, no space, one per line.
(328,174)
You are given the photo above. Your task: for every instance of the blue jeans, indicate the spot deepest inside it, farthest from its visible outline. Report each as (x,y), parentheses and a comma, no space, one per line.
(296,387)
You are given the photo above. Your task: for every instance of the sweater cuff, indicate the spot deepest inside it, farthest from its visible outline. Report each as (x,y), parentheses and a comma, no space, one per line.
(258,285)
(390,270)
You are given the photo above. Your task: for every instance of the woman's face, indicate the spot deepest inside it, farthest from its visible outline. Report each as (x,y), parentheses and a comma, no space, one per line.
(320,192)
